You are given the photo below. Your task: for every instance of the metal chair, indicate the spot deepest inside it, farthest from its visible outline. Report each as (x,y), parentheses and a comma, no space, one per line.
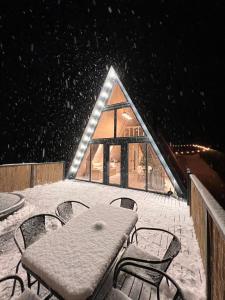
(25,294)
(136,255)
(65,209)
(126,203)
(31,230)
(151,273)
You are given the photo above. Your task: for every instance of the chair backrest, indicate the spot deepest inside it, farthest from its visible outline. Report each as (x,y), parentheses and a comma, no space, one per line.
(65,209)
(171,252)
(126,203)
(33,228)
(177,292)
(172,249)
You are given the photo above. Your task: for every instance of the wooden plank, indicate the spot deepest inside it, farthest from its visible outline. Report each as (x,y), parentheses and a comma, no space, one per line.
(21,176)
(14,178)
(136,289)
(127,285)
(217,262)
(47,173)
(198,212)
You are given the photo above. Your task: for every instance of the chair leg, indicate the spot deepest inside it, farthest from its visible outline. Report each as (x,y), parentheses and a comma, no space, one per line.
(38,287)
(167,282)
(28,280)
(48,296)
(14,283)
(158,296)
(136,235)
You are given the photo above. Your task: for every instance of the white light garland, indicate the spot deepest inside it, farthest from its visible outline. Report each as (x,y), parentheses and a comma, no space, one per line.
(100,103)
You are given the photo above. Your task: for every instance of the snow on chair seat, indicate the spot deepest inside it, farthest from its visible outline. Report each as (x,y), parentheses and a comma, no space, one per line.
(171,290)
(137,255)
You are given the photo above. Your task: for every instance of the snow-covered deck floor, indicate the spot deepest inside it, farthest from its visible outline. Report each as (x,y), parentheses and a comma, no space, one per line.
(153,210)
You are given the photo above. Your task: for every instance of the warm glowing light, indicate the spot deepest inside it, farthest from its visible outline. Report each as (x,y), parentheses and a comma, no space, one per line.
(126,116)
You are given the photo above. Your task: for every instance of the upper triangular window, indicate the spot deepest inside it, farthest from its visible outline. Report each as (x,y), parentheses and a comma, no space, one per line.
(117,95)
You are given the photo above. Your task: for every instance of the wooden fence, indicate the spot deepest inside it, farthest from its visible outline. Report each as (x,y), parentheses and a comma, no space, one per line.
(17,177)
(209,223)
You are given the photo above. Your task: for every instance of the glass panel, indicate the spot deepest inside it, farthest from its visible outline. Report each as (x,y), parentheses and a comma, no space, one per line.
(114,164)
(117,95)
(136,165)
(97,162)
(127,123)
(84,169)
(157,177)
(105,127)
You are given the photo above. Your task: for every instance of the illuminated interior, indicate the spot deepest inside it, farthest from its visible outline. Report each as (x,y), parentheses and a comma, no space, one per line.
(119,151)
(105,127)
(97,163)
(127,123)
(114,164)
(117,96)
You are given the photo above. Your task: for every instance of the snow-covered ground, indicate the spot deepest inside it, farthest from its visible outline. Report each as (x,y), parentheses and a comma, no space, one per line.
(153,210)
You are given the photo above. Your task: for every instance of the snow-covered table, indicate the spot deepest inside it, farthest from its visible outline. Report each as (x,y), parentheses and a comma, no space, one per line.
(72,260)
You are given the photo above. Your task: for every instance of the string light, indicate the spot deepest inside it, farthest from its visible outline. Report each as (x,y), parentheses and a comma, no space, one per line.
(100,103)
(193,148)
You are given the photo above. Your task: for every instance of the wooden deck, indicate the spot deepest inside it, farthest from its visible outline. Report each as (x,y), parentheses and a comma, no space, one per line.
(154,210)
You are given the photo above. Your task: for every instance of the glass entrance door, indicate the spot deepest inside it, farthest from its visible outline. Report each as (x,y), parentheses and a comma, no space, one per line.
(114,170)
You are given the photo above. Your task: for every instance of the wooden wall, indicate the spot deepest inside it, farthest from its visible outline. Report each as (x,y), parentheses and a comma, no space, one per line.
(217,262)
(21,176)
(198,212)
(209,223)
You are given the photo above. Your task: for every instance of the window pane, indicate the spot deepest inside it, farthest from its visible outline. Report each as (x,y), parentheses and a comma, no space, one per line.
(97,163)
(127,123)
(84,169)
(115,164)
(105,127)
(136,165)
(157,178)
(117,96)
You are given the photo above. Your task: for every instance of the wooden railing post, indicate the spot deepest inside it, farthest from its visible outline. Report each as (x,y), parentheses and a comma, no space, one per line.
(208,256)
(209,223)
(189,188)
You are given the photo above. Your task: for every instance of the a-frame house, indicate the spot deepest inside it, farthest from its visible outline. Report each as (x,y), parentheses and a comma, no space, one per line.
(118,149)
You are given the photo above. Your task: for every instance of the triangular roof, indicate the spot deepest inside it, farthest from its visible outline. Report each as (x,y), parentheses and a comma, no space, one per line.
(111,81)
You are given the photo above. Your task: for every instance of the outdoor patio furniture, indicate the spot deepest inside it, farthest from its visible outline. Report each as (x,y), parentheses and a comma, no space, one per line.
(31,230)
(72,262)
(66,209)
(25,294)
(125,203)
(147,274)
(135,254)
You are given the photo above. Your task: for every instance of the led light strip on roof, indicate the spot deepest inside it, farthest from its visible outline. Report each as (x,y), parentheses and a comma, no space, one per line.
(93,121)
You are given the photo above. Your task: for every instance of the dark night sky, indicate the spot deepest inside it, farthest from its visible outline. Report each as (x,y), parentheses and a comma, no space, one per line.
(55,55)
